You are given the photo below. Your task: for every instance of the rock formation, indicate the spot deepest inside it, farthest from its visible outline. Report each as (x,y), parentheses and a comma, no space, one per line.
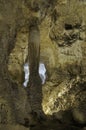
(59,29)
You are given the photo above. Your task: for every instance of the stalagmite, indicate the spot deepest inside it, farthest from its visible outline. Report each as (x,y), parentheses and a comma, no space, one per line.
(35,83)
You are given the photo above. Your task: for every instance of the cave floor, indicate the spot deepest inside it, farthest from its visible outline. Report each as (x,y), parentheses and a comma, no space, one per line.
(13,127)
(55,125)
(49,125)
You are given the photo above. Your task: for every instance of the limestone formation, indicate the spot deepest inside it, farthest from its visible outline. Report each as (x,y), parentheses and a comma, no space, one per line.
(52,32)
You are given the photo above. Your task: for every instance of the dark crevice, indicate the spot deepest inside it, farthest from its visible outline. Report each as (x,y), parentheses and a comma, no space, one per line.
(68,27)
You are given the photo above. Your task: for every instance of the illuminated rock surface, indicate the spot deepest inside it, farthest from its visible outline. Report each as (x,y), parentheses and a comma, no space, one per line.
(63,52)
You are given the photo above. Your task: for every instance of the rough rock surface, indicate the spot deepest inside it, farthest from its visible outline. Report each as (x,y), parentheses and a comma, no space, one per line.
(63,51)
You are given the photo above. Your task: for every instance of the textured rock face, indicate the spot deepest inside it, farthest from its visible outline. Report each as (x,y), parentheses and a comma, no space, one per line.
(68,80)
(11,97)
(63,51)
(18,56)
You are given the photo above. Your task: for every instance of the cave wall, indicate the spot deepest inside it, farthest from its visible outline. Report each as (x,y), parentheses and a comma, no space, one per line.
(63,47)
(11,17)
